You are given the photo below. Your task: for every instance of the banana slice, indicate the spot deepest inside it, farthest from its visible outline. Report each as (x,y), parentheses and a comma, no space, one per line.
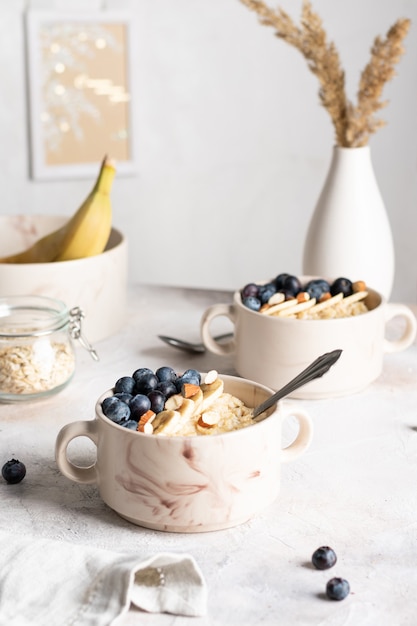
(275,308)
(320,306)
(197,400)
(211,392)
(297,308)
(186,410)
(355,297)
(166,422)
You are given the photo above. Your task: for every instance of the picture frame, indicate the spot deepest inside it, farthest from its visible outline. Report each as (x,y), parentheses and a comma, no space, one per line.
(80,92)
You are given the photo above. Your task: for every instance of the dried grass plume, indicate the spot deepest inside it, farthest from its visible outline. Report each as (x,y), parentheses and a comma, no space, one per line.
(353,124)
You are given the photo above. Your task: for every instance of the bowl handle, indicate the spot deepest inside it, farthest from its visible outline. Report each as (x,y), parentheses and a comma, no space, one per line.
(304,435)
(86,475)
(217,310)
(400,310)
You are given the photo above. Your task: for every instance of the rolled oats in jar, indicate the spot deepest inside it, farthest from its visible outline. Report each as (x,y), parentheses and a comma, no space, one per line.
(37,357)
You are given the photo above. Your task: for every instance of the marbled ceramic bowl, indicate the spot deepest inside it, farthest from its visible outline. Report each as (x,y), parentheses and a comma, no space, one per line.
(188,484)
(97,284)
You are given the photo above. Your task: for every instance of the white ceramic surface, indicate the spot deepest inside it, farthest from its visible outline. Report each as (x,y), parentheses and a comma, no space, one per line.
(97,284)
(188,484)
(273,350)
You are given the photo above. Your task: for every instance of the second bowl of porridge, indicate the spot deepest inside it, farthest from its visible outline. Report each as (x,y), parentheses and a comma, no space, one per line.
(272,345)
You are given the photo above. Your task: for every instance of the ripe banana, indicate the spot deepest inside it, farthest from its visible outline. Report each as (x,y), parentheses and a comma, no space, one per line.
(85,234)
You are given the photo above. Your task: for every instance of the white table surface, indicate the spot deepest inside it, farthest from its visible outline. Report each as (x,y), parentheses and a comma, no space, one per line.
(355,489)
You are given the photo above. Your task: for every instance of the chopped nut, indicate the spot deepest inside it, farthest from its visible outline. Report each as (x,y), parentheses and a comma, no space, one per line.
(325,296)
(208,419)
(210,377)
(303,296)
(189,390)
(145,422)
(359,285)
(174,402)
(277,298)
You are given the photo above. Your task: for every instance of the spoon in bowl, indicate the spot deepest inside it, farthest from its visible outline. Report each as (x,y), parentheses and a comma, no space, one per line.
(315,370)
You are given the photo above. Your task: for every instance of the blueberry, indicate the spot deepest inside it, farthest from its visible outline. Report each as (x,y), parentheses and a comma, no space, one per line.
(251,289)
(266,291)
(124,397)
(317,287)
(324,558)
(190,376)
(157,400)
(130,425)
(166,374)
(252,303)
(167,388)
(148,382)
(292,285)
(115,409)
(279,281)
(125,384)
(139,404)
(337,589)
(13,471)
(139,373)
(343,285)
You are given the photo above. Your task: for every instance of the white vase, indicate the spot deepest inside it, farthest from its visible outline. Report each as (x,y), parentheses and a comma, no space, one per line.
(349,234)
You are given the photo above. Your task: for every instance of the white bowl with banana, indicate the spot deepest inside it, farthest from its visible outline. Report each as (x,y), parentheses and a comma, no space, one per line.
(81,260)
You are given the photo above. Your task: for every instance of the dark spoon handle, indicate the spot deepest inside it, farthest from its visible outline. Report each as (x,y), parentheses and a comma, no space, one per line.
(315,370)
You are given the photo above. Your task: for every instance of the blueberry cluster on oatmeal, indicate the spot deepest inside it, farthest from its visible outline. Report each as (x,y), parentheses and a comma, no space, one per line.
(167,403)
(288,297)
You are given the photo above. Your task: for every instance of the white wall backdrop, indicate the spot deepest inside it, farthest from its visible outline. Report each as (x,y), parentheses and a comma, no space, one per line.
(233,146)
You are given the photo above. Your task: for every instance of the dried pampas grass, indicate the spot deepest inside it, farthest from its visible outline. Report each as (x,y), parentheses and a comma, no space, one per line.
(353,124)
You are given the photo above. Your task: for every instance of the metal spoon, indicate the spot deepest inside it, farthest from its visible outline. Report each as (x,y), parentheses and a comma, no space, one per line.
(315,370)
(181,344)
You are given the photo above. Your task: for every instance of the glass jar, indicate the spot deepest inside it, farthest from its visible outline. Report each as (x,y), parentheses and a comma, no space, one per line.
(37,357)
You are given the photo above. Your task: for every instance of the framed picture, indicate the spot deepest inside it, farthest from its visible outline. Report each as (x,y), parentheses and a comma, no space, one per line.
(80,93)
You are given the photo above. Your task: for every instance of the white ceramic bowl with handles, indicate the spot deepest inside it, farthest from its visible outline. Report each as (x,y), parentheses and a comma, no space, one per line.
(188,484)
(272,350)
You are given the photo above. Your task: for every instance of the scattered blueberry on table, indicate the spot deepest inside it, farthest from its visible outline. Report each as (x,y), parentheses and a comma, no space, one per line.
(13,471)
(324,557)
(337,588)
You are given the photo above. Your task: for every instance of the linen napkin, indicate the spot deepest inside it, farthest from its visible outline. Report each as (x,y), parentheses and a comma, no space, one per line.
(45,581)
